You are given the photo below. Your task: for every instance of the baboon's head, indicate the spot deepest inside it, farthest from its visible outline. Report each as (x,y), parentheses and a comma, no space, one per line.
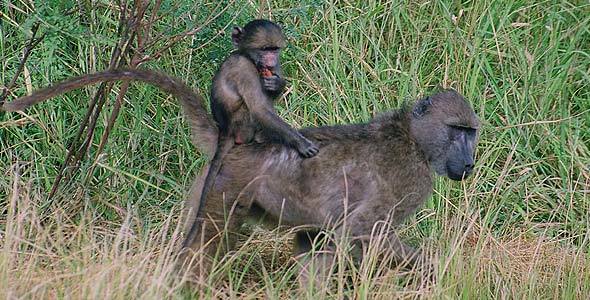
(446,129)
(261,41)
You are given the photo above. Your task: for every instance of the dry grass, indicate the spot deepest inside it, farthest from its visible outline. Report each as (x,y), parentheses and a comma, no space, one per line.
(90,258)
(517,229)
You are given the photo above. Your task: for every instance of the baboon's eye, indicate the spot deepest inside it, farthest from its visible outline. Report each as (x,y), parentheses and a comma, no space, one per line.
(457,130)
(270,48)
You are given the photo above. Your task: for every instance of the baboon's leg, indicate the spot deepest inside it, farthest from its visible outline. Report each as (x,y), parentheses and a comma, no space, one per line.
(402,253)
(216,232)
(409,258)
(364,227)
(191,204)
(315,266)
(303,241)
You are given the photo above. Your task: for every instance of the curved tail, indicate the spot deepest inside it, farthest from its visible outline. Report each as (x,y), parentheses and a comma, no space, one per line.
(204,130)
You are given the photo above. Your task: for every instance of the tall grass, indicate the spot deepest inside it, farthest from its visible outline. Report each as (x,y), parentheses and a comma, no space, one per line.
(518,228)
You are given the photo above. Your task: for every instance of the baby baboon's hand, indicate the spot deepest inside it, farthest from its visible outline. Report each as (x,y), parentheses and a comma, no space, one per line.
(307,148)
(273,83)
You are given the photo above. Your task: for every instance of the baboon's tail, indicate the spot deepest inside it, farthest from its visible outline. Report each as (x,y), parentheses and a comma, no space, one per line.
(203,127)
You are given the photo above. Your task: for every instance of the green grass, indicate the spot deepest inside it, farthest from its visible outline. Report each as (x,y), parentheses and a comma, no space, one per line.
(518,228)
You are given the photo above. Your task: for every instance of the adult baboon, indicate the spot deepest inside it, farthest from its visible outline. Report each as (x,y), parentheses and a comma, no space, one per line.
(382,170)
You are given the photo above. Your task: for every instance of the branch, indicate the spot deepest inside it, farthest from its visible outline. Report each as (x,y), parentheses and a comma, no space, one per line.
(32,43)
(179,37)
(94,108)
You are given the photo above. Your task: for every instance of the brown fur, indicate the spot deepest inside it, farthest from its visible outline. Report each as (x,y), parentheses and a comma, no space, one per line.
(384,170)
(242,101)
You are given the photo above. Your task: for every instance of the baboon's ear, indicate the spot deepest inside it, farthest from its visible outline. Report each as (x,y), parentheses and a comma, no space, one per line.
(236,36)
(421,107)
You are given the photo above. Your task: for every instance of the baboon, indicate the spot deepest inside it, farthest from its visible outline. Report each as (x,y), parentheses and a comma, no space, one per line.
(382,170)
(242,95)
(377,171)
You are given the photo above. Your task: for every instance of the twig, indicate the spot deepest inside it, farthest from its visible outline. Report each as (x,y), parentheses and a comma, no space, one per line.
(543,121)
(117,60)
(74,150)
(141,35)
(262,11)
(32,43)
(177,38)
(153,18)
(131,28)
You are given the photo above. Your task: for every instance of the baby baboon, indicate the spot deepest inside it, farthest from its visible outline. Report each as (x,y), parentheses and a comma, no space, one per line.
(242,95)
(382,170)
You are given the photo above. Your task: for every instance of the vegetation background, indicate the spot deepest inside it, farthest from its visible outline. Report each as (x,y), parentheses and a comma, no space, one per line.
(518,228)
